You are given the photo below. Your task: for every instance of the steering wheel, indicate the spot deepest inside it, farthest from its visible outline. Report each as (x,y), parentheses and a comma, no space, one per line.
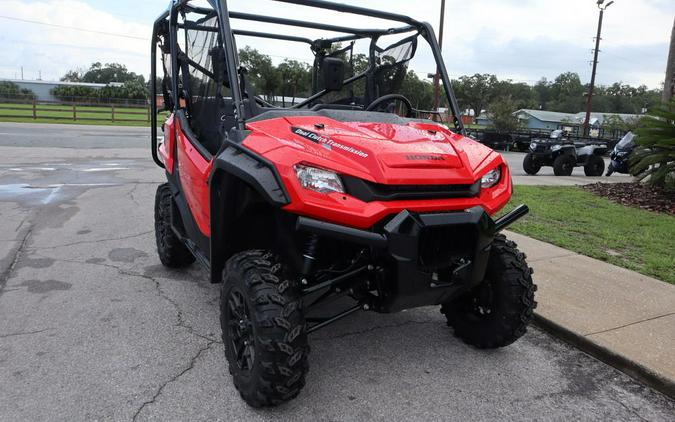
(390,98)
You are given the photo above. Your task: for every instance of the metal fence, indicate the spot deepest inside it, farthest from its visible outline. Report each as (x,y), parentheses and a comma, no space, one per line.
(75,111)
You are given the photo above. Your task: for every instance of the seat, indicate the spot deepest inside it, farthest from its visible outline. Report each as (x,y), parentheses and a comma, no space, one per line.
(212,118)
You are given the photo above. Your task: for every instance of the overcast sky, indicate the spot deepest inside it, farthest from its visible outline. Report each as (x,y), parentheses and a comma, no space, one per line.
(523,40)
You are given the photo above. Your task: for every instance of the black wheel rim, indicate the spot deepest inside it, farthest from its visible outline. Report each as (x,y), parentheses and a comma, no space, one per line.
(481,303)
(240,330)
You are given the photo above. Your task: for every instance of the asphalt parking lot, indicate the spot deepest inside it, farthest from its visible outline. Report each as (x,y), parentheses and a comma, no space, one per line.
(92,327)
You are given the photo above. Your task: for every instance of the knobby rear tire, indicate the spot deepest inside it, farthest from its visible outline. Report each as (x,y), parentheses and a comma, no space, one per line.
(172,252)
(595,166)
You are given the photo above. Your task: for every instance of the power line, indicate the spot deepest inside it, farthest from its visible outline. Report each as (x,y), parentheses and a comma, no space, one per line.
(112,34)
(77,47)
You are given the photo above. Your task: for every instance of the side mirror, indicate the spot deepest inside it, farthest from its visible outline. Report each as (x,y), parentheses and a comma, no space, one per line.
(333,70)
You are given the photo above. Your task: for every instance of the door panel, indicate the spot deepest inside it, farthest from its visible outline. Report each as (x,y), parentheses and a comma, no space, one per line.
(194,170)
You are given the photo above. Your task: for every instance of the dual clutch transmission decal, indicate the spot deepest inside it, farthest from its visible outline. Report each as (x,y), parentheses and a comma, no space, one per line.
(327,142)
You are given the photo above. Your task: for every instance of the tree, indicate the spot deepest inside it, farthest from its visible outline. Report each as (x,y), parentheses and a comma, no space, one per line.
(522,95)
(73,76)
(654,156)
(263,75)
(476,91)
(501,114)
(543,93)
(419,92)
(103,74)
(567,93)
(296,79)
(613,122)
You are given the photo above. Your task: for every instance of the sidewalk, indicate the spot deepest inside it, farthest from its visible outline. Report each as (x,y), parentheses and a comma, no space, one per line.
(617,315)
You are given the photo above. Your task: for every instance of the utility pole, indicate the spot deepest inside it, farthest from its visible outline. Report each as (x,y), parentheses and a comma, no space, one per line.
(589,104)
(22,73)
(669,86)
(437,76)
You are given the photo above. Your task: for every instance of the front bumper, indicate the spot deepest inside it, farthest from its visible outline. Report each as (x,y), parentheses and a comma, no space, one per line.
(426,258)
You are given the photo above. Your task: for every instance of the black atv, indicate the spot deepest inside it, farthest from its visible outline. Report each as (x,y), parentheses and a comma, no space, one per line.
(563,154)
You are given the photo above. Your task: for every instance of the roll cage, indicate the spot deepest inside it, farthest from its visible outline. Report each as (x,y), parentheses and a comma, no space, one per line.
(244,102)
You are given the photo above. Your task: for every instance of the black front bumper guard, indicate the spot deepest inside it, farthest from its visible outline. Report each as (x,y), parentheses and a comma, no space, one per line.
(410,241)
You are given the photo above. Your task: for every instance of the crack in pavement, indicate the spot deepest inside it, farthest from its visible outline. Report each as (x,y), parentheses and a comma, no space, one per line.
(181,323)
(376,328)
(180,319)
(628,408)
(24,333)
(629,324)
(175,378)
(83,242)
(130,194)
(7,272)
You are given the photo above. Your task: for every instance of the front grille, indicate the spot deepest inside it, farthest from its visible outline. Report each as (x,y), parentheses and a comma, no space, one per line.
(369,192)
(440,246)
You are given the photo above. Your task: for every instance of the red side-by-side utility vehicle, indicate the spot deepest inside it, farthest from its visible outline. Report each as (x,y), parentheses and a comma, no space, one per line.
(349,199)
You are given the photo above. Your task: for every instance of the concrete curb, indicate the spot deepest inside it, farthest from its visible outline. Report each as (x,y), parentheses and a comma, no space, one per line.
(631,368)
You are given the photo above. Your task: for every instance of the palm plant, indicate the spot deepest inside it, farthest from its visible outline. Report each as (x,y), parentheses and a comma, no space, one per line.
(654,157)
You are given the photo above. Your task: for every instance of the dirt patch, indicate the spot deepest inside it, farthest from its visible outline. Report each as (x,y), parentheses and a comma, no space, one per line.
(40,287)
(126,254)
(636,195)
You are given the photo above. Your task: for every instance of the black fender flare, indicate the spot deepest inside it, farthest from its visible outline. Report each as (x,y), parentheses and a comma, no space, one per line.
(234,166)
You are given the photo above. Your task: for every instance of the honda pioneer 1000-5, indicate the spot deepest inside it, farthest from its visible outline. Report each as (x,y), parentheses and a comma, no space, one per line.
(347,193)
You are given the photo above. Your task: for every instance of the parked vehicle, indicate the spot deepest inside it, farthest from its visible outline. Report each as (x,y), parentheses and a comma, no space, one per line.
(335,197)
(564,155)
(493,139)
(521,142)
(620,155)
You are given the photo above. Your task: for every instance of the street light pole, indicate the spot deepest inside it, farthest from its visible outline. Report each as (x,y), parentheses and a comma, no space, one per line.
(589,104)
(437,76)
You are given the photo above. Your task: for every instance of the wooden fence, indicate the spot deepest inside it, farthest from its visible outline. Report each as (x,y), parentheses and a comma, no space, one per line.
(74,111)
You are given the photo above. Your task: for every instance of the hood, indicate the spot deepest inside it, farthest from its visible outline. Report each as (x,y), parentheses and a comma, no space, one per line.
(379,152)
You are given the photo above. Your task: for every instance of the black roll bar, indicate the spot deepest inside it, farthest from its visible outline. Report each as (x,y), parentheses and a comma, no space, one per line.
(313,25)
(356,10)
(153,88)
(228,41)
(272,36)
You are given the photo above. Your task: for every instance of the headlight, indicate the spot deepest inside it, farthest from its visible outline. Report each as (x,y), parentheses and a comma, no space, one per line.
(533,146)
(555,148)
(491,178)
(318,180)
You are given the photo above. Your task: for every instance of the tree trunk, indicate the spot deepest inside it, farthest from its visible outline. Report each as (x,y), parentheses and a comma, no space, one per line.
(669,87)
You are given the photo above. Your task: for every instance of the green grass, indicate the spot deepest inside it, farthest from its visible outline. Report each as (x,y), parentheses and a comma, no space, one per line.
(580,221)
(52,113)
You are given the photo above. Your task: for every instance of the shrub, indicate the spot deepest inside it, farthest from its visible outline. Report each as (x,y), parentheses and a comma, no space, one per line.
(654,156)
(11,91)
(131,90)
